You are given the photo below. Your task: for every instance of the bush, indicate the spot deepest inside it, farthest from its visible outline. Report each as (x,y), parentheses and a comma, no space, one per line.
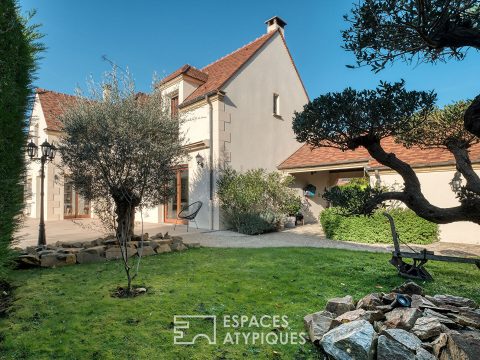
(256,202)
(376,228)
(18,52)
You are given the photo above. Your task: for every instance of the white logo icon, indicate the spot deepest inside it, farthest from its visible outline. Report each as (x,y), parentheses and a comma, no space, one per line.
(181,325)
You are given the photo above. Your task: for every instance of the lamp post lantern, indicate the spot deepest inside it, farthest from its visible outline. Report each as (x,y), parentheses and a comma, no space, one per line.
(456,183)
(48,152)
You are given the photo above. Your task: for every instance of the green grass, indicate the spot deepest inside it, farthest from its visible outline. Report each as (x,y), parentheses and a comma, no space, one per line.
(67,313)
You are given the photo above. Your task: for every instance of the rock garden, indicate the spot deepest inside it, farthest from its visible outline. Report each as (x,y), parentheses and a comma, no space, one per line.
(405,323)
(98,250)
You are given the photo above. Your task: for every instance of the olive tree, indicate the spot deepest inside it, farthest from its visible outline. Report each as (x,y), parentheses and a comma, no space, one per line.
(383,31)
(120,147)
(351,119)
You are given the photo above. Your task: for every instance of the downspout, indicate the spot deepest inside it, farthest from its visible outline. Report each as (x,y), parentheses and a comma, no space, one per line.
(210,121)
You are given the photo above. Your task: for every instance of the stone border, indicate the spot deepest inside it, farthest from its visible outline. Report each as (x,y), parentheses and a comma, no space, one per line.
(98,250)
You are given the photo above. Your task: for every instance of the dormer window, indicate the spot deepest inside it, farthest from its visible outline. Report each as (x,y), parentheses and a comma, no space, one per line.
(276,105)
(174,106)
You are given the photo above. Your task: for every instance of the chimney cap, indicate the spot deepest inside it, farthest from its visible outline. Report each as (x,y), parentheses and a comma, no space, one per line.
(277,20)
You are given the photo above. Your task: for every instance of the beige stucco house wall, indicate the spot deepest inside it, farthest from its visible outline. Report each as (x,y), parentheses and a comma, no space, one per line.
(227,108)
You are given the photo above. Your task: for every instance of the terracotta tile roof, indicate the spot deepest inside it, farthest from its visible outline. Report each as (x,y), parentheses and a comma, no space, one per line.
(186,70)
(53,104)
(306,157)
(220,71)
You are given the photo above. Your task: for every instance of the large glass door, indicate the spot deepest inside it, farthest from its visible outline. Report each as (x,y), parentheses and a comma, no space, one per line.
(180,198)
(74,205)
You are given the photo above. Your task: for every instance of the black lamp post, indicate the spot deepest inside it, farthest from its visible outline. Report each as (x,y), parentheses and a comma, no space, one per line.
(48,152)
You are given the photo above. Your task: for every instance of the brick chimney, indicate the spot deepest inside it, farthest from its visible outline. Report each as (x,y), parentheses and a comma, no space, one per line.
(275,23)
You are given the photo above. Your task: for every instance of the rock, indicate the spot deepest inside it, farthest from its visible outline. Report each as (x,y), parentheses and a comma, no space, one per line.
(166,236)
(458,301)
(164,248)
(31,250)
(409,288)
(389,298)
(69,250)
(57,259)
(360,314)
(177,246)
(428,327)
(467,318)
(402,318)
(419,301)
(42,253)
(157,236)
(92,243)
(439,344)
(370,302)
(77,244)
(99,250)
(138,244)
(397,344)
(177,238)
(194,245)
(115,252)
(341,305)
(461,347)
(110,241)
(440,317)
(141,290)
(162,242)
(146,251)
(318,324)
(85,257)
(353,340)
(423,354)
(28,260)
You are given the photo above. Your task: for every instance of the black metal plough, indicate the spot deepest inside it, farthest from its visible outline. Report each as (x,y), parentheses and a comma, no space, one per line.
(416,270)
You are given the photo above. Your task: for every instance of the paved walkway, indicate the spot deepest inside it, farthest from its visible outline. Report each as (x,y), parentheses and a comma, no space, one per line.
(301,236)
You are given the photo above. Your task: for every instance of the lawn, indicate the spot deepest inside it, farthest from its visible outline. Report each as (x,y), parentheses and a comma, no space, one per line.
(67,313)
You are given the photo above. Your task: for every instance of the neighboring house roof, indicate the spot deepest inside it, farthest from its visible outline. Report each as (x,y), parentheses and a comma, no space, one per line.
(53,104)
(186,70)
(308,157)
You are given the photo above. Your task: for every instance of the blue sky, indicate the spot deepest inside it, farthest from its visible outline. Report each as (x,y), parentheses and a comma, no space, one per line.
(158,36)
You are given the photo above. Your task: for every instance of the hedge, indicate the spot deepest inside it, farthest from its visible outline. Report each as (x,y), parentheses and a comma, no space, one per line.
(376,228)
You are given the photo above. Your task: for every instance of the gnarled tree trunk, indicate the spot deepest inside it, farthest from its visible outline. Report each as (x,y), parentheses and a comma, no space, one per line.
(471,118)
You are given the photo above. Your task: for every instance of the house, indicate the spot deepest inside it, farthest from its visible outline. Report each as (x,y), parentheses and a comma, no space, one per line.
(435,168)
(238,113)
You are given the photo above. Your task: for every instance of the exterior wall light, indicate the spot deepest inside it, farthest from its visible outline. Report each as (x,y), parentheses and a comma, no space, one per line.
(456,183)
(200,160)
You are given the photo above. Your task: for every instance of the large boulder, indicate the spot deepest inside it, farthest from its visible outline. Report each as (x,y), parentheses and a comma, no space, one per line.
(318,324)
(178,246)
(28,260)
(146,251)
(163,248)
(402,318)
(397,344)
(91,255)
(428,327)
(418,301)
(57,259)
(340,305)
(355,340)
(115,252)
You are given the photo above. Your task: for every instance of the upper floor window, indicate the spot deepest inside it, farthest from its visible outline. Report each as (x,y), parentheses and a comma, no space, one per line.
(174,106)
(276,105)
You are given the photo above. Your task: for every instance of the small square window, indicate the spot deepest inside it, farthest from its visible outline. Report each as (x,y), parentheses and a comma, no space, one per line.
(276,104)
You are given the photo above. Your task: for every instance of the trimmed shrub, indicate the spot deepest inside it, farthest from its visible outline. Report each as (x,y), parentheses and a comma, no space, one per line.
(18,55)
(376,228)
(256,202)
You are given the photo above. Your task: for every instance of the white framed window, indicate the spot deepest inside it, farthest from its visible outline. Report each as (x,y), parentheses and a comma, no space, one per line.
(276,104)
